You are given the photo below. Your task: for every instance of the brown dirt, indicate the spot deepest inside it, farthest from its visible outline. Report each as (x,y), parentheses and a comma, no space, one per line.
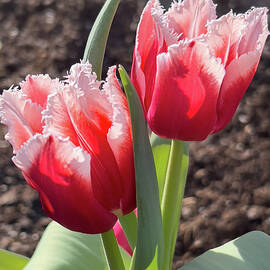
(228,190)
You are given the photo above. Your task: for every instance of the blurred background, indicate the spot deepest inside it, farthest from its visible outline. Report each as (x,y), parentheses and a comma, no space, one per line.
(228,189)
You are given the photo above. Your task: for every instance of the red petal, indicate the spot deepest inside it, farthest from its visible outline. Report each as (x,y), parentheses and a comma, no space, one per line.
(60,172)
(120,140)
(150,41)
(240,71)
(186,92)
(236,81)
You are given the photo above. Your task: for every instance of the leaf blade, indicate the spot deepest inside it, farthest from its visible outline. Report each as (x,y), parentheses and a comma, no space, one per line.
(12,261)
(248,252)
(62,249)
(149,235)
(97,39)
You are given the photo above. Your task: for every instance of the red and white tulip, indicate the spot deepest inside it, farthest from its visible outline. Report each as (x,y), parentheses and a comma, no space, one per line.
(191,69)
(72,142)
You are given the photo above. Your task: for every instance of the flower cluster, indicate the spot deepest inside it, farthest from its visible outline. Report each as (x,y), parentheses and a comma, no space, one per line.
(72,139)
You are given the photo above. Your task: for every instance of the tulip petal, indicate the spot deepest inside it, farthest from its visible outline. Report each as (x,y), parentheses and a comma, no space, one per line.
(240,71)
(60,172)
(22,116)
(231,36)
(150,41)
(236,81)
(189,18)
(73,106)
(37,88)
(186,92)
(120,139)
(224,36)
(121,238)
(256,31)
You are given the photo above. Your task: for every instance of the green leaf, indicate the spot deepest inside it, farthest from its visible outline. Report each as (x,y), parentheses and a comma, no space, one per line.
(62,249)
(161,151)
(149,235)
(12,261)
(97,40)
(248,252)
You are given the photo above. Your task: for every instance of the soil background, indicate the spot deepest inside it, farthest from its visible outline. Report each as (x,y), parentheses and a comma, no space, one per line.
(228,188)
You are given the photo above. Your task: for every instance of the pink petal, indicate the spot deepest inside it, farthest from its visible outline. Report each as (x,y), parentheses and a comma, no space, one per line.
(186,92)
(237,79)
(150,41)
(256,32)
(231,36)
(37,88)
(121,238)
(57,118)
(60,172)
(224,36)
(73,107)
(189,18)
(120,139)
(22,117)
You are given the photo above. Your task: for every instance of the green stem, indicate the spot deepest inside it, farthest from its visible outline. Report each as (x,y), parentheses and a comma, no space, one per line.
(112,252)
(172,197)
(129,225)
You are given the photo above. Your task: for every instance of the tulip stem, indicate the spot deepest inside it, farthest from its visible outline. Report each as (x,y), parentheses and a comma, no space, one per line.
(129,224)
(172,197)
(112,252)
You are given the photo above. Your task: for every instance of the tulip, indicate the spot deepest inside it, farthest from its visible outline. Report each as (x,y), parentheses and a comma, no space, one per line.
(72,142)
(191,69)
